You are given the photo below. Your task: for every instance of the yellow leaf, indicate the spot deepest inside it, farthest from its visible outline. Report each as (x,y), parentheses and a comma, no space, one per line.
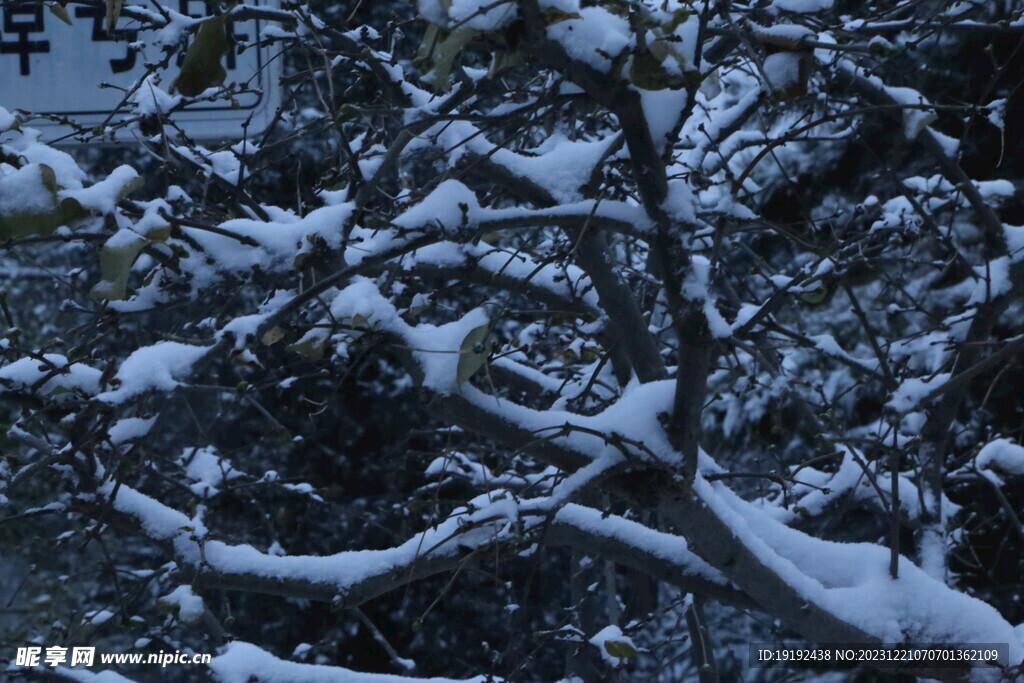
(472,353)
(116,260)
(113,14)
(648,73)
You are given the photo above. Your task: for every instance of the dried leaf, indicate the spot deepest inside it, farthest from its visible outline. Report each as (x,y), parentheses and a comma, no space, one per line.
(60,12)
(272,336)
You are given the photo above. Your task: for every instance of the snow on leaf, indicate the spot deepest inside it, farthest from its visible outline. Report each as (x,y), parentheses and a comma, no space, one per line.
(613,644)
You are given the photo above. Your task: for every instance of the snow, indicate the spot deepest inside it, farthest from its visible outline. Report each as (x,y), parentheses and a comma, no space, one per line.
(679,201)
(914,119)
(802,6)
(241,662)
(97,617)
(7,119)
(130,429)
(813,490)
(206,471)
(489,521)
(475,14)
(720,120)
(155,367)
(442,208)
(949,145)
(436,348)
(633,416)
(993,280)
(782,69)
(560,165)
(611,634)
(433,11)
(25,373)
(666,546)
(696,288)
(792,34)
(851,581)
(624,212)
(596,38)
(149,98)
(160,522)
(910,392)
(23,191)
(278,241)
(662,109)
(188,606)
(27,145)
(226,163)
(568,282)
(1001,455)
(85,676)
(996,113)
(1014,236)
(103,196)
(175,28)
(828,345)
(995,189)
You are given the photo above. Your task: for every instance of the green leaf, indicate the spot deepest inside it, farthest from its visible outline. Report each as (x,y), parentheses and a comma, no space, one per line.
(48,178)
(648,73)
(32,190)
(201,68)
(71,210)
(814,296)
(679,16)
(134,183)
(472,353)
(158,232)
(619,649)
